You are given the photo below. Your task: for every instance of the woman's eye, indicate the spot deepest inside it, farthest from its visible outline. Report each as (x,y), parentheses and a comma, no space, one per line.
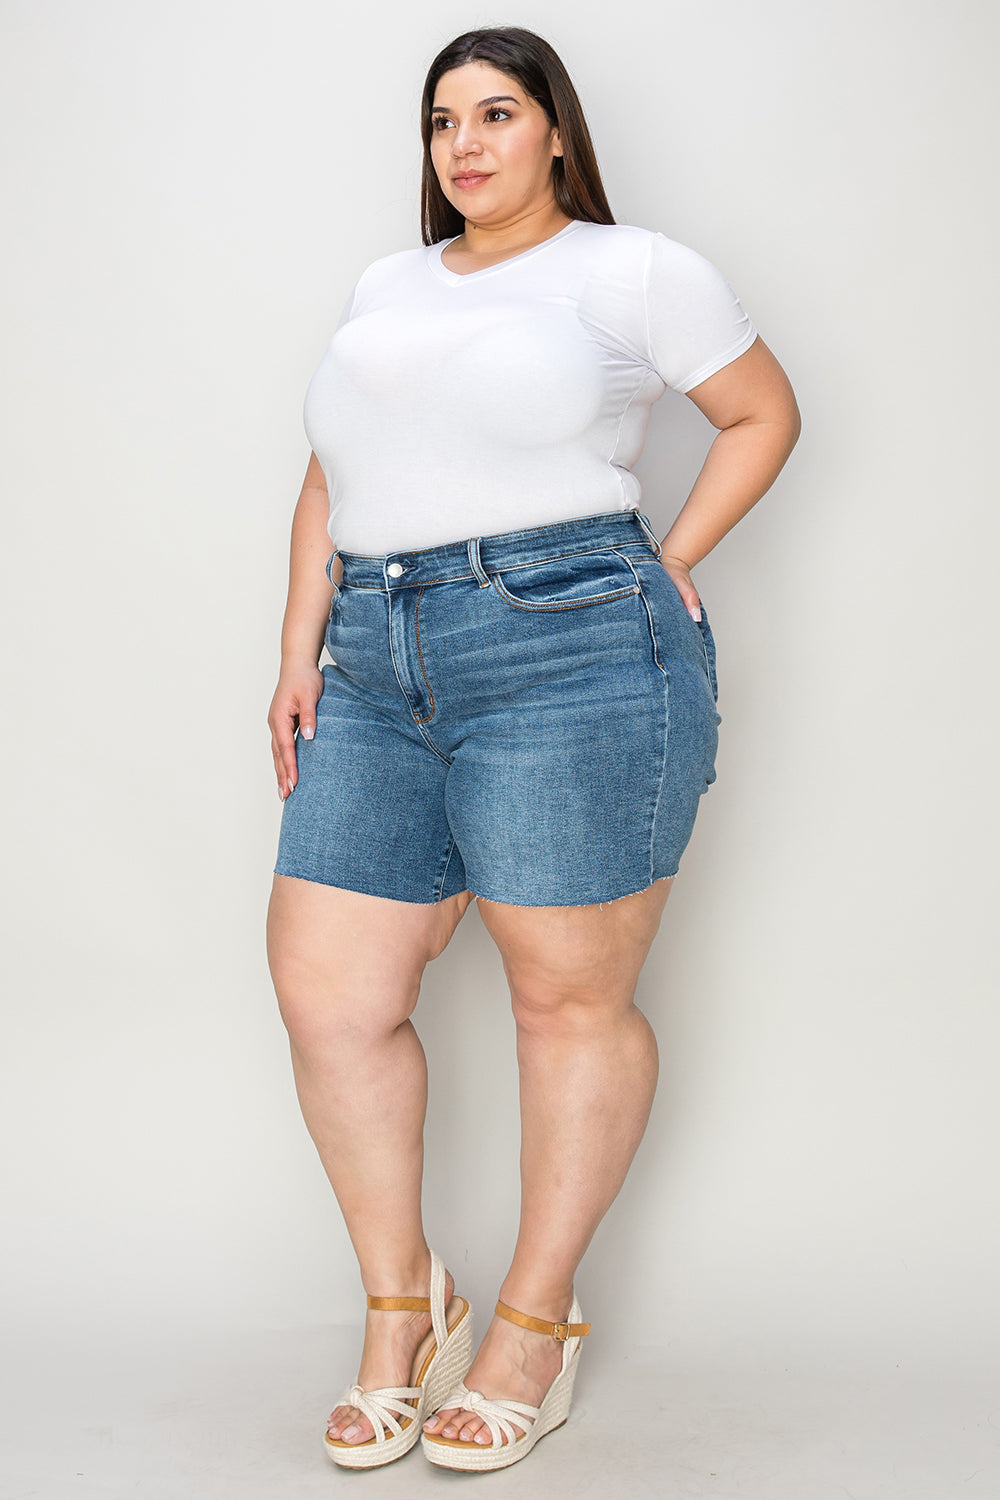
(439,121)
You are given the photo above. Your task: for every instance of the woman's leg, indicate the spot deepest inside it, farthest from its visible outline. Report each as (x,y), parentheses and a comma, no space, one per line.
(346,969)
(588,1067)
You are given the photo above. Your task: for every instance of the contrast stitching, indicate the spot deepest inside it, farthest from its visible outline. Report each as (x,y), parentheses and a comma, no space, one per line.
(417,584)
(649,615)
(445,578)
(533,562)
(431,745)
(557,605)
(395,663)
(422,718)
(444,873)
(530,562)
(667,716)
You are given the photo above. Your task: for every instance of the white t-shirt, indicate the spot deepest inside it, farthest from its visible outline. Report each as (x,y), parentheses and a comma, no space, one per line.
(449,406)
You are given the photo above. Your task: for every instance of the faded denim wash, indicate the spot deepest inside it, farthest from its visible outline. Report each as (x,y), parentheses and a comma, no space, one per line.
(530,716)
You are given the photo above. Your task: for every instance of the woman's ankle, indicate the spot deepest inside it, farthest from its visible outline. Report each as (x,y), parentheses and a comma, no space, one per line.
(406,1275)
(537,1297)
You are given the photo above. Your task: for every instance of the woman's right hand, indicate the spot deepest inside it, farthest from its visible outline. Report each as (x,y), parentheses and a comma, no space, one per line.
(299,689)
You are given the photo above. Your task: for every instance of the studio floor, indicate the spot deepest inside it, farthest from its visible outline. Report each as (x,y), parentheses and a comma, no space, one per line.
(214,1415)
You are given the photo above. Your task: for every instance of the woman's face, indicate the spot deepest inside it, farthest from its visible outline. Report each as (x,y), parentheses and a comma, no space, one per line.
(491,146)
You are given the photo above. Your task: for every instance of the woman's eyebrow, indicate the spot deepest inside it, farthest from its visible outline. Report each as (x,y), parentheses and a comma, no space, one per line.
(493,99)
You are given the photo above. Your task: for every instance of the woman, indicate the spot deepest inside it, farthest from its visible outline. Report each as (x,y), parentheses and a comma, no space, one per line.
(521,709)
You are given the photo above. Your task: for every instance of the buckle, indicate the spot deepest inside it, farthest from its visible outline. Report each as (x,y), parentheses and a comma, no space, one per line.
(560,1331)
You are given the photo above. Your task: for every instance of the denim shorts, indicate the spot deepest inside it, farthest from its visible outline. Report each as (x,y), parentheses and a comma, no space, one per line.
(530,716)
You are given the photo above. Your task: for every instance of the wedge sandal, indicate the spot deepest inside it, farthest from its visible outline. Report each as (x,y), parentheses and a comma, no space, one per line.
(396,1412)
(501,1415)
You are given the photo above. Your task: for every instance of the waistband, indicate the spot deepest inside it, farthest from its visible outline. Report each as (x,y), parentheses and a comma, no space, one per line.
(479,555)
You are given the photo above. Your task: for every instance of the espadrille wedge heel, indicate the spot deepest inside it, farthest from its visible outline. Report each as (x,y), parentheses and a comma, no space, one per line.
(396,1412)
(504,1417)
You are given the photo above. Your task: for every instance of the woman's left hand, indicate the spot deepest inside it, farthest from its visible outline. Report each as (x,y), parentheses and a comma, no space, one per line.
(681,575)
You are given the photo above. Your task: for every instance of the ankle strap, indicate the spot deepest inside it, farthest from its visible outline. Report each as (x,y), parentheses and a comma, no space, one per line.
(400,1304)
(434,1304)
(560,1331)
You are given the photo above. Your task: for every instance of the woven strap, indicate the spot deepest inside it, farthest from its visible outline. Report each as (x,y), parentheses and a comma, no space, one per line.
(560,1331)
(434,1304)
(499,1416)
(379,1406)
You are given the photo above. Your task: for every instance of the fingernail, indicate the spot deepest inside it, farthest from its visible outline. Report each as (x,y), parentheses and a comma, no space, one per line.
(696,613)
(289,785)
(307,732)
(281,795)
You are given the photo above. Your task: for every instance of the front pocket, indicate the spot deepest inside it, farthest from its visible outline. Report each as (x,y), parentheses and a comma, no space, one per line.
(574,582)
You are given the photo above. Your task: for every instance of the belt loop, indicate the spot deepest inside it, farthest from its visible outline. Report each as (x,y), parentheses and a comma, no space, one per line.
(476,562)
(647,527)
(329,565)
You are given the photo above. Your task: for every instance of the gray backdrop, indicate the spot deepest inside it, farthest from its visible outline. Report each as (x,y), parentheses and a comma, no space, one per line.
(191,191)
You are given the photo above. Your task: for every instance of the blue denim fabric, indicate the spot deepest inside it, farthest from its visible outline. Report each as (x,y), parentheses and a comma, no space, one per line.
(530,716)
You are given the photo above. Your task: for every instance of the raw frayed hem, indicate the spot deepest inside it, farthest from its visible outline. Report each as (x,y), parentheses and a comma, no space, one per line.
(356,890)
(539,905)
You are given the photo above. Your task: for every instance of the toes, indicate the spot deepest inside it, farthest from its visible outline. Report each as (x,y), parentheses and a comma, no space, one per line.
(437,1421)
(340,1417)
(451,1417)
(350,1426)
(456,1422)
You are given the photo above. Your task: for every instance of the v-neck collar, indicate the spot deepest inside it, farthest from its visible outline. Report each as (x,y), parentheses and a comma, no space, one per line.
(453,278)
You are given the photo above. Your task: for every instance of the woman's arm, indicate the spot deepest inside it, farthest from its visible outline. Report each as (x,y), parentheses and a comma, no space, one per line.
(304,626)
(752,403)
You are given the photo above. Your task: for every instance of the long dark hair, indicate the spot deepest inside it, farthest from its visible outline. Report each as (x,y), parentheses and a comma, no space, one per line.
(537,67)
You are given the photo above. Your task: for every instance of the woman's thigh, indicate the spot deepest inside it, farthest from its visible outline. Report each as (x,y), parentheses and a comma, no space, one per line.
(344,958)
(588,955)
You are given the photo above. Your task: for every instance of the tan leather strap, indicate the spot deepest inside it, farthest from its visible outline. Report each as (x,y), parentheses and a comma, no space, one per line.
(560,1331)
(400,1304)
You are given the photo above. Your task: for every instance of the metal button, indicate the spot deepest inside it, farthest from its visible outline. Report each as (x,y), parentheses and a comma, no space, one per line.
(394,570)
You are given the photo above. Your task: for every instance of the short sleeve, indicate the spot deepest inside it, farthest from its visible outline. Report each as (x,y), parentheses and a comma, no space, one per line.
(695,323)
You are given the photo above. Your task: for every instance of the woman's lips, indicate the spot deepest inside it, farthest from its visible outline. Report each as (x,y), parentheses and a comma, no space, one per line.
(472,180)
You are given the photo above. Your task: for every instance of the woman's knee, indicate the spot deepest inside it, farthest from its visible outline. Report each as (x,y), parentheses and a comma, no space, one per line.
(347,967)
(325,1008)
(565,1008)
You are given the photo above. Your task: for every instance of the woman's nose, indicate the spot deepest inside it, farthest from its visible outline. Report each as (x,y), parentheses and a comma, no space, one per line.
(465,142)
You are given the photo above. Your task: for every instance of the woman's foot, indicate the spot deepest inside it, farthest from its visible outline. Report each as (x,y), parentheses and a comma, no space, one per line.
(512,1363)
(391,1342)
